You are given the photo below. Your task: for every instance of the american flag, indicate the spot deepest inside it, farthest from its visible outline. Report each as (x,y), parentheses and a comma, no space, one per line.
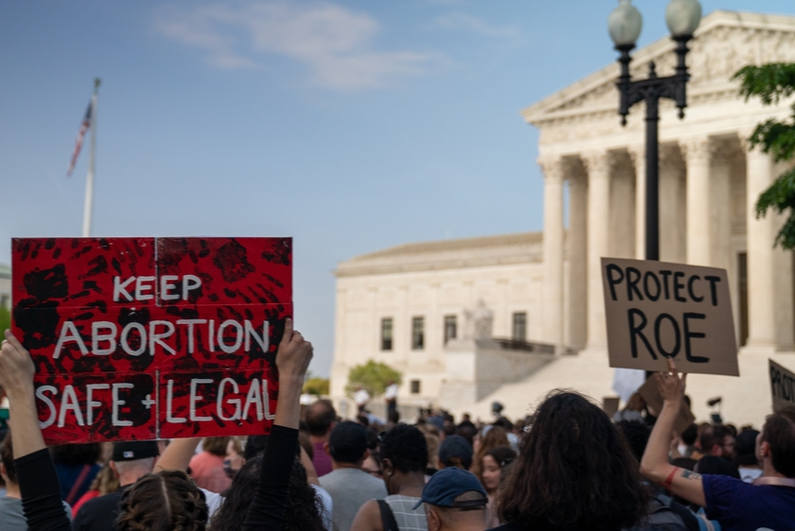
(81,134)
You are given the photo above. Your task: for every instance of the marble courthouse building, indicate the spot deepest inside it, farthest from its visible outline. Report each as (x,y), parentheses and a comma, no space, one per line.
(414,306)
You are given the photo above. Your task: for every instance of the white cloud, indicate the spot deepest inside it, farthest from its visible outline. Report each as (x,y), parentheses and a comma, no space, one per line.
(333,42)
(464,22)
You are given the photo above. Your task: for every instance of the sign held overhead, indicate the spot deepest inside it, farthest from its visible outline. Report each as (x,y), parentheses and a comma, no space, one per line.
(658,310)
(782,385)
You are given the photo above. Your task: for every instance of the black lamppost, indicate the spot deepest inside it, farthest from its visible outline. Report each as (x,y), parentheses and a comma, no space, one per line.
(624,24)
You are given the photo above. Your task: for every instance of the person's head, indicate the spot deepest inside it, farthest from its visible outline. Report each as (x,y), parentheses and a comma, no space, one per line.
(635,403)
(76,454)
(711,464)
(320,418)
(162,502)
(393,417)
(372,465)
(723,444)
(745,448)
(776,443)
(132,460)
(494,461)
(404,453)
(690,435)
(215,445)
(455,451)
(347,443)
(467,430)
(106,480)
(301,513)
(7,468)
(433,449)
(454,500)
(574,470)
(637,435)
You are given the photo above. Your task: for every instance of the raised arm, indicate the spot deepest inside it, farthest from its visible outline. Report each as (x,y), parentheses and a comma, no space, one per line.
(38,482)
(270,501)
(177,454)
(654,464)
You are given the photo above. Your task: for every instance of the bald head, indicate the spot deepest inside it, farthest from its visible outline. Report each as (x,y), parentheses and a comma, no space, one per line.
(320,418)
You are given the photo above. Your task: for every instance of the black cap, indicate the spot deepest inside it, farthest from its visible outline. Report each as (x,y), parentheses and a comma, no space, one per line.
(132,450)
(455,446)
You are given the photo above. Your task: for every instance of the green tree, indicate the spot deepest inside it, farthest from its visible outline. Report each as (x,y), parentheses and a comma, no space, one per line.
(373,376)
(772,83)
(316,386)
(5,319)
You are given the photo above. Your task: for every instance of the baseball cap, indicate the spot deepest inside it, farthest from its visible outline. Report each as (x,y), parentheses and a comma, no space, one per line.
(132,450)
(455,446)
(448,484)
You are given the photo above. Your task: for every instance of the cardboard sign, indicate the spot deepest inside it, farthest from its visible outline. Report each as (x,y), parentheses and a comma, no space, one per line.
(658,310)
(782,385)
(654,401)
(144,338)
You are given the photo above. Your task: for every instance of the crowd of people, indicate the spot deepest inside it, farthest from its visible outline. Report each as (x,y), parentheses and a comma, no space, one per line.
(567,466)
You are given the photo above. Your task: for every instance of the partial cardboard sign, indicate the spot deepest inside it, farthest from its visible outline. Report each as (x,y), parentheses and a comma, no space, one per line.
(654,401)
(610,405)
(658,310)
(782,385)
(144,338)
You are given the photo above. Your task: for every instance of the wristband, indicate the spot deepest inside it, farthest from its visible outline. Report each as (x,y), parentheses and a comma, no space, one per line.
(670,478)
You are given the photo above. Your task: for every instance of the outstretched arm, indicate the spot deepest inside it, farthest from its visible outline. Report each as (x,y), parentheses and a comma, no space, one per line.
(654,464)
(38,482)
(177,454)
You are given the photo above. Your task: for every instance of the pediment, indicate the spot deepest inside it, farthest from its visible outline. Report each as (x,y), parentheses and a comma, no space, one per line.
(725,42)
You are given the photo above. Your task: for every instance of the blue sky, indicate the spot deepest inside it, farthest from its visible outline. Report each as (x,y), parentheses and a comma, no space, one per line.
(350,125)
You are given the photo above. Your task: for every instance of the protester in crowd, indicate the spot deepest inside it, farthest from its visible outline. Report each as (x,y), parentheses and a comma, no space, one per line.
(12,518)
(207,467)
(574,471)
(390,397)
(432,441)
(234,459)
(454,501)
(745,455)
(302,512)
(455,451)
(403,458)
(633,410)
(320,419)
(493,462)
(685,444)
(77,465)
(769,503)
(710,464)
(349,486)
(467,430)
(130,461)
(489,437)
(106,482)
(174,498)
(361,397)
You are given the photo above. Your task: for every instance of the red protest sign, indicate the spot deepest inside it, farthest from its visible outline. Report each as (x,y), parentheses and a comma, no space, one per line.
(143,338)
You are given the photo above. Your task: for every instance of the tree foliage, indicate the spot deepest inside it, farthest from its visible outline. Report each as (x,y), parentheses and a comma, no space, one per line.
(5,319)
(772,83)
(373,376)
(316,386)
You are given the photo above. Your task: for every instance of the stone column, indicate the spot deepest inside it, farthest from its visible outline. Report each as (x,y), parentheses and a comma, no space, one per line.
(553,248)
(721,249)
(673,229)
(696,152)
(598,166)
(638,155)
(577,247)
(761,270)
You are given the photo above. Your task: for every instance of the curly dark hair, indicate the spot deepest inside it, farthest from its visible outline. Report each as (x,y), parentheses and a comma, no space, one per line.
(636,433)
(406,448)
(302,505)
(574,471)
(166,501)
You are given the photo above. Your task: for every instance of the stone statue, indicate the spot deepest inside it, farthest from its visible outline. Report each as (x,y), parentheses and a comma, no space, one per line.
(478,322)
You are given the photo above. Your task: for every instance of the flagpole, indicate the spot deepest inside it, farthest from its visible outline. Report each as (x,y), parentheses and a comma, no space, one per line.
(88,205)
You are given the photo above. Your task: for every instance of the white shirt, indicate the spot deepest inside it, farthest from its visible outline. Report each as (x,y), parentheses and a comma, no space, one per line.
(361,397)
(391,392)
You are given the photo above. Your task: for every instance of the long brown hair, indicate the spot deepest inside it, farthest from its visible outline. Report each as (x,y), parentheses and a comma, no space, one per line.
(574,471)
(494,437)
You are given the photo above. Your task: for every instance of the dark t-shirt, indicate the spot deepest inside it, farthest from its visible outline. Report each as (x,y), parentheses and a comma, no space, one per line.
(740,506)
(99,514)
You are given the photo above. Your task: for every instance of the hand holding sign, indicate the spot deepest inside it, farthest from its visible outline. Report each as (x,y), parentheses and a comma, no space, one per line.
(294,354)
(670,384)
(16,367)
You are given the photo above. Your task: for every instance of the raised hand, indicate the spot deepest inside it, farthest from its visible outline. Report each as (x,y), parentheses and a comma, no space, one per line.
(670,384)
(294,354)
(16,367)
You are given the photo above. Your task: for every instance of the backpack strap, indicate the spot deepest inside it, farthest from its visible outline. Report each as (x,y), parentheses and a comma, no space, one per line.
(78,484)
(387,516)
